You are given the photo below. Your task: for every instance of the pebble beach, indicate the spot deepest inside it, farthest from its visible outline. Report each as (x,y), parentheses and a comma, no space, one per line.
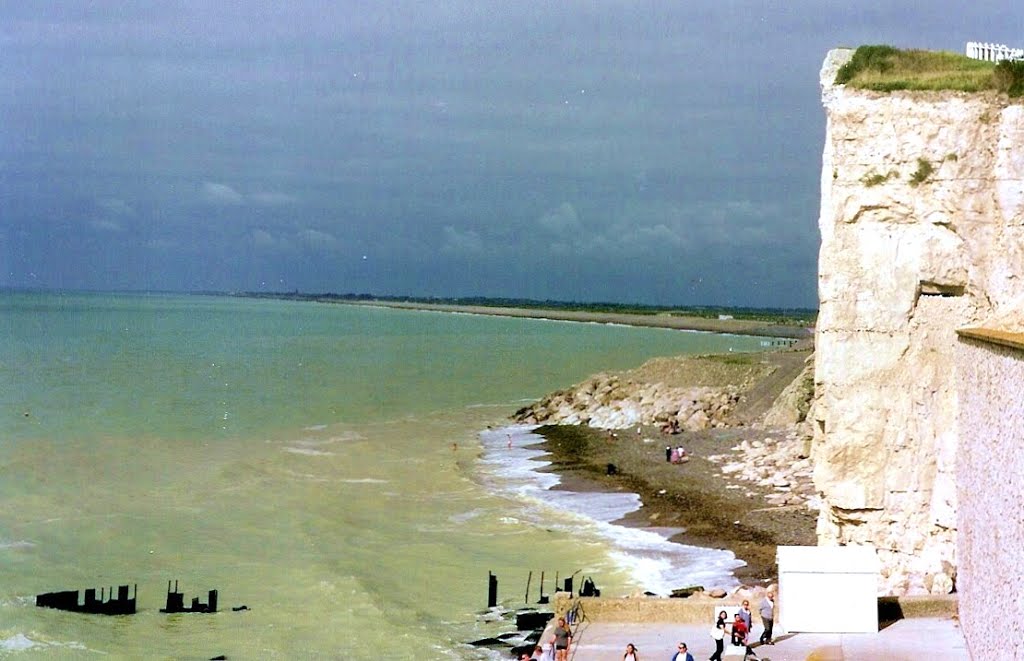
(744,486)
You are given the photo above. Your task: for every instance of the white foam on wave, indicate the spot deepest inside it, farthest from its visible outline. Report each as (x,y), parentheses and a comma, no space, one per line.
(463,517)
(363,480)
(310,477)
(513,467)
(19,545)
(311,446)
(19,642)
(310,452)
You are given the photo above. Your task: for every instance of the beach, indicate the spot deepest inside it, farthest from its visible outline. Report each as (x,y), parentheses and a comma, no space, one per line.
(759,328)
(711,509)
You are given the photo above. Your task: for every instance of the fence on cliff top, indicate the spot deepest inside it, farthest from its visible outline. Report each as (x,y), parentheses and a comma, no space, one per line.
(982,50)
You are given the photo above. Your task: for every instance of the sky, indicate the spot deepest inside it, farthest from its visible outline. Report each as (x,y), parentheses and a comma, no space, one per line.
(664,152)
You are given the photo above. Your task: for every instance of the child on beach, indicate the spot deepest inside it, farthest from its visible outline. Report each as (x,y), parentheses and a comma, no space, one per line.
(740,631)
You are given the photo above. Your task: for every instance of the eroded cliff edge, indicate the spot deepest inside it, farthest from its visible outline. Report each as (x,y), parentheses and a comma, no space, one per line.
(922,232)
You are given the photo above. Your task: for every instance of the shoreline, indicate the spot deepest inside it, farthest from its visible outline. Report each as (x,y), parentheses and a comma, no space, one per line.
(692,497)
(713,508)
(653,558)
(667,321)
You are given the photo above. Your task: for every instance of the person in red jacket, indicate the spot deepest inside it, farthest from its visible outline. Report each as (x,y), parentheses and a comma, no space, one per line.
(740,631)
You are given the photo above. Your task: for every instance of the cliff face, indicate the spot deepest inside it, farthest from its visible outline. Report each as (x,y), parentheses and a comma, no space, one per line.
(922,232)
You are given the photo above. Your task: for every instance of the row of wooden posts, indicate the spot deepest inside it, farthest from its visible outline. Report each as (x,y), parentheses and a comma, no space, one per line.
(567,586)
(122,604)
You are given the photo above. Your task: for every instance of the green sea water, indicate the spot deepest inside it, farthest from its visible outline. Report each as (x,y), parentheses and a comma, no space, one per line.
(321,464)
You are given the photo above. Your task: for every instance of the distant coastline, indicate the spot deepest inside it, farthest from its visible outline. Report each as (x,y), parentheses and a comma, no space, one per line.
(760,328)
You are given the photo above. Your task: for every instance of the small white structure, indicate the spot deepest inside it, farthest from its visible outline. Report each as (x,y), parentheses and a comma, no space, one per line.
(828,589)
(982,50)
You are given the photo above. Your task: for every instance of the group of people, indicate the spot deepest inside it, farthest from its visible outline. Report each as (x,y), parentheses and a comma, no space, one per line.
(676,455)
(558,650)
(742,625)
(738,632)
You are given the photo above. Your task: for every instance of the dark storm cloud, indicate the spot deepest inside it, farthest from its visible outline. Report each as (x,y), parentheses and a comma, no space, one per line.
(632,151)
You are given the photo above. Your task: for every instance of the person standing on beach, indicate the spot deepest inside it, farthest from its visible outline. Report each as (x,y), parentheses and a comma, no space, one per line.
(718,635)
(740,631)
(561,640)
(630,654)
(767,611)
(681,654)
(747,616)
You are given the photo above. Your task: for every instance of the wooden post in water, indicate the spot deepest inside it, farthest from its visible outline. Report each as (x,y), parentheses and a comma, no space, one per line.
(540,597)
(526,596)
(568,581)
(492,590)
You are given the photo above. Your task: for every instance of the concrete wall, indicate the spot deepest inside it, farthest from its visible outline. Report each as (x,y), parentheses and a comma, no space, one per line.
(990,491)
(694,610)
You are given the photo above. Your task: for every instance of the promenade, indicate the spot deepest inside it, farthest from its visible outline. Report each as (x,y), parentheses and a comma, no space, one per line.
(905,640)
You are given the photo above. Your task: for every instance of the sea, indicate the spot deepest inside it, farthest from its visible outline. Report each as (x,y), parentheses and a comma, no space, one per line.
(346,477)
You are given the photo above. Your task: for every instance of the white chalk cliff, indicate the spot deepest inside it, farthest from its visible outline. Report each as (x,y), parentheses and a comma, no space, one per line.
(922,232)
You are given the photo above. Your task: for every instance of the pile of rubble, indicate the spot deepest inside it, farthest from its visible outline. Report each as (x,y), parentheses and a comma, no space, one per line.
(779,462)
(607,401)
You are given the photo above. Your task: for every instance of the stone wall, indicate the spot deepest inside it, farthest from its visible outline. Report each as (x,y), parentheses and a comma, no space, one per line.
(990,470)
(922,232)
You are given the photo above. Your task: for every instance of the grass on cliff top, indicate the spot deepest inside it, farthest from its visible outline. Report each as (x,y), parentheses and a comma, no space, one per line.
(884,69)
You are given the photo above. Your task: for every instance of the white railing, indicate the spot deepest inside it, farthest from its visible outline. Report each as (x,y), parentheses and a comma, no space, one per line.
(981,50)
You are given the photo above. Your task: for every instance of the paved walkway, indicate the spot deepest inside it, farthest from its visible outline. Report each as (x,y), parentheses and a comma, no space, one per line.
(906,640)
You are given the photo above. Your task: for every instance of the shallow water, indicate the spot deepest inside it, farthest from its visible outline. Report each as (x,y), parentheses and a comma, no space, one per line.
(321,464)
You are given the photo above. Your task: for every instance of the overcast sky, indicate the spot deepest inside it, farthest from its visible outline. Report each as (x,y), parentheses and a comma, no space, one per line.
(661,152)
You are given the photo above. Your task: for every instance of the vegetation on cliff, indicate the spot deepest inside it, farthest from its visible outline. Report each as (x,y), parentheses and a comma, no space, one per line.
(885,69)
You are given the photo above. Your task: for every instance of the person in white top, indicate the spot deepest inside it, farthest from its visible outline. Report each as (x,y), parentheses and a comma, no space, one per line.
(718,635)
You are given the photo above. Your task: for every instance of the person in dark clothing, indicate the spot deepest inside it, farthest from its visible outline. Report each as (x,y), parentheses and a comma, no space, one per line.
(682,654)
(767,610)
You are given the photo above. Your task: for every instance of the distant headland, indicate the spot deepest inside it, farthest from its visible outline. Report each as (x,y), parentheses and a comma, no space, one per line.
(793,323)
